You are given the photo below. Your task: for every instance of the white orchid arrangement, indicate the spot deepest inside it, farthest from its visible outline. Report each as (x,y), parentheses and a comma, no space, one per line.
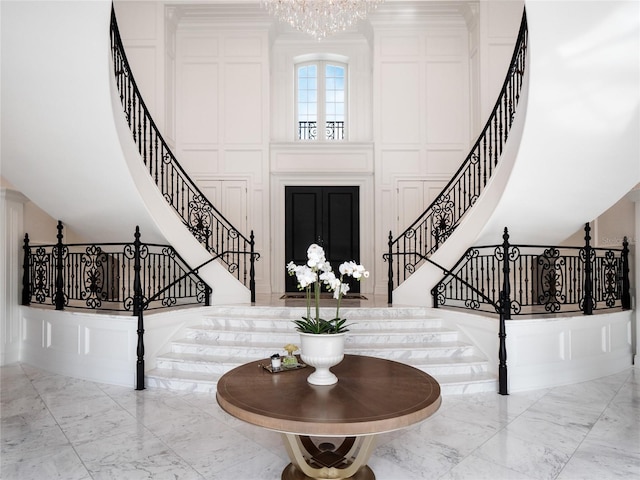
(316,272)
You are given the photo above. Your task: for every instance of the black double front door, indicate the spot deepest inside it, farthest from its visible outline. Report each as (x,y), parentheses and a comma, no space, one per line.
(328,216)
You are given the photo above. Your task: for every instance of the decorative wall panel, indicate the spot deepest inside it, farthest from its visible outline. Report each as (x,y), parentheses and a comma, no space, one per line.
(198,104)
(243,97)
(400,102)
(200,160)
(588,342)
(446,91)
(63,337)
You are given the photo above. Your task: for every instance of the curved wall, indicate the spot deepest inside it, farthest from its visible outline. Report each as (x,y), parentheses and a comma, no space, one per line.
(59,143)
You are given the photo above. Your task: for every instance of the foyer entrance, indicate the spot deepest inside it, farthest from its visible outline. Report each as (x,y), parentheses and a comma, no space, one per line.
(328,216)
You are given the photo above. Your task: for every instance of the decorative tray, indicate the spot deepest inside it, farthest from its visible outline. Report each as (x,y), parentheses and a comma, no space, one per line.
(283,368)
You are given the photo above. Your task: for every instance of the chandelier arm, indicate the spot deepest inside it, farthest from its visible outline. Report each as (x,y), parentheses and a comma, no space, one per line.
(320,18)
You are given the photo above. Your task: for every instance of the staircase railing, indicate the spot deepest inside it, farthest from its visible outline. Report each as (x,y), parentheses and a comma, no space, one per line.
(198,214)
(541,279)
(509,279)
(109,276)
(441,218)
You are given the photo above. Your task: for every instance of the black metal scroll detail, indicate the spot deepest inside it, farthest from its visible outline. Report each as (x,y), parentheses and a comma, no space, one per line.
(443,218)
(611,278)
(200,216)
(551,280)
(94,263)
(42,275)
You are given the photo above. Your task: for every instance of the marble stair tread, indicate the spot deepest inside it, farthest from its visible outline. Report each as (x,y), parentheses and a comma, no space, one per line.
(182,381)
(484,378)
(276,343)
(239,360)
(443,361)
(426,346)
(353,331)
(227,360)
(207,382)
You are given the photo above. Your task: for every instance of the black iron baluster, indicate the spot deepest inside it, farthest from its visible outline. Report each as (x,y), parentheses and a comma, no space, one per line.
(26,270)
(138,310)
(252,270)
(59,292)
(505,314)
(625,296)
(588,272)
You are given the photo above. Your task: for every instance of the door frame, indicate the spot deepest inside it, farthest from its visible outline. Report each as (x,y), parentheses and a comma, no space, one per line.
(366,211)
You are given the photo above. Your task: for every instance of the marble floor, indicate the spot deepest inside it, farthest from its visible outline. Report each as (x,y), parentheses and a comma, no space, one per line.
(60,427)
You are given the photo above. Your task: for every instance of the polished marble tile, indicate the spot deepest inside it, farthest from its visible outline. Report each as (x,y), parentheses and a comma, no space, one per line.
(55,427)
(63,464)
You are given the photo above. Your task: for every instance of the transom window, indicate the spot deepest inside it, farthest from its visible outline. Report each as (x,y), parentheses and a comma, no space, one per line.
(321,100)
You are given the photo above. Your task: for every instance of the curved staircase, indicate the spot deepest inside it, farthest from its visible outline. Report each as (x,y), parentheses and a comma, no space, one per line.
(230,336)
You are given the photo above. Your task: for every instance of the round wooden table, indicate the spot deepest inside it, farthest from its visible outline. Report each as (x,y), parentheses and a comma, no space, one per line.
(372,396)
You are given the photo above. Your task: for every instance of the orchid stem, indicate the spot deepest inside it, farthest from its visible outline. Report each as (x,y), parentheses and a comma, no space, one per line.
(317,294)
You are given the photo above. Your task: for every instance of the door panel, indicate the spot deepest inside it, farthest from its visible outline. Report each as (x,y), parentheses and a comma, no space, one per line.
(325,215)
(230,198)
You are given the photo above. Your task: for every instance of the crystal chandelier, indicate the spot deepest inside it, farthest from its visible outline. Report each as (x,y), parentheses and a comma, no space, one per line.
(320,18)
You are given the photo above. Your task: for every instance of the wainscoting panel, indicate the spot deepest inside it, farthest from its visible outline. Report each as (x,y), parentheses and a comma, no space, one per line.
(534,349)
(100,347)
(547,352)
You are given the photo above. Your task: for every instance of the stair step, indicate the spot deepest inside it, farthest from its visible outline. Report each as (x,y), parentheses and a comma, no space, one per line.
(232,336)
(406,350)
(206,382)
(216,364)
(368,335)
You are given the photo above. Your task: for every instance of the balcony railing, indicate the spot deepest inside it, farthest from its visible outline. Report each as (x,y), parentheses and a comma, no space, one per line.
(509,279)
(105,276)
(537,279)
(309,130)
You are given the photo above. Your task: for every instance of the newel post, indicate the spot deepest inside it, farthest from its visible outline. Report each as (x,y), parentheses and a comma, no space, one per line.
(390,270)
(626,294)
(505,314)
(26,281)
(587,306)
(252,268)
(138,309)
(59,253)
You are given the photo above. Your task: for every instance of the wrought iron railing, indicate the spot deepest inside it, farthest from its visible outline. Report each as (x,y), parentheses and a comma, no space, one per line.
(410,249)
(103,277)
(511,280)
(539,279)
(309,130)
(199,216)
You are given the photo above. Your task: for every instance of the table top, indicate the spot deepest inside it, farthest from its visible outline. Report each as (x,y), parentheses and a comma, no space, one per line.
(373,395)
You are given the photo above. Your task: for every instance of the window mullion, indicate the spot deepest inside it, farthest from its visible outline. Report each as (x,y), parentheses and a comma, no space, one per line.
(322,101)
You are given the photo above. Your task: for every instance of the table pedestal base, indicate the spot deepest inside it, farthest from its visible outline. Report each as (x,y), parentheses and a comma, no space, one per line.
(325,461)
(292,473)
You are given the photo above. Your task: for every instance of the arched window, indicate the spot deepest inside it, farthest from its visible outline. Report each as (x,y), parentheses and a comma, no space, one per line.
(321,96)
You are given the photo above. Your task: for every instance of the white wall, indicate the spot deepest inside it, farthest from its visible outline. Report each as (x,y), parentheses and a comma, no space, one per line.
(579,153)
(59,145)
